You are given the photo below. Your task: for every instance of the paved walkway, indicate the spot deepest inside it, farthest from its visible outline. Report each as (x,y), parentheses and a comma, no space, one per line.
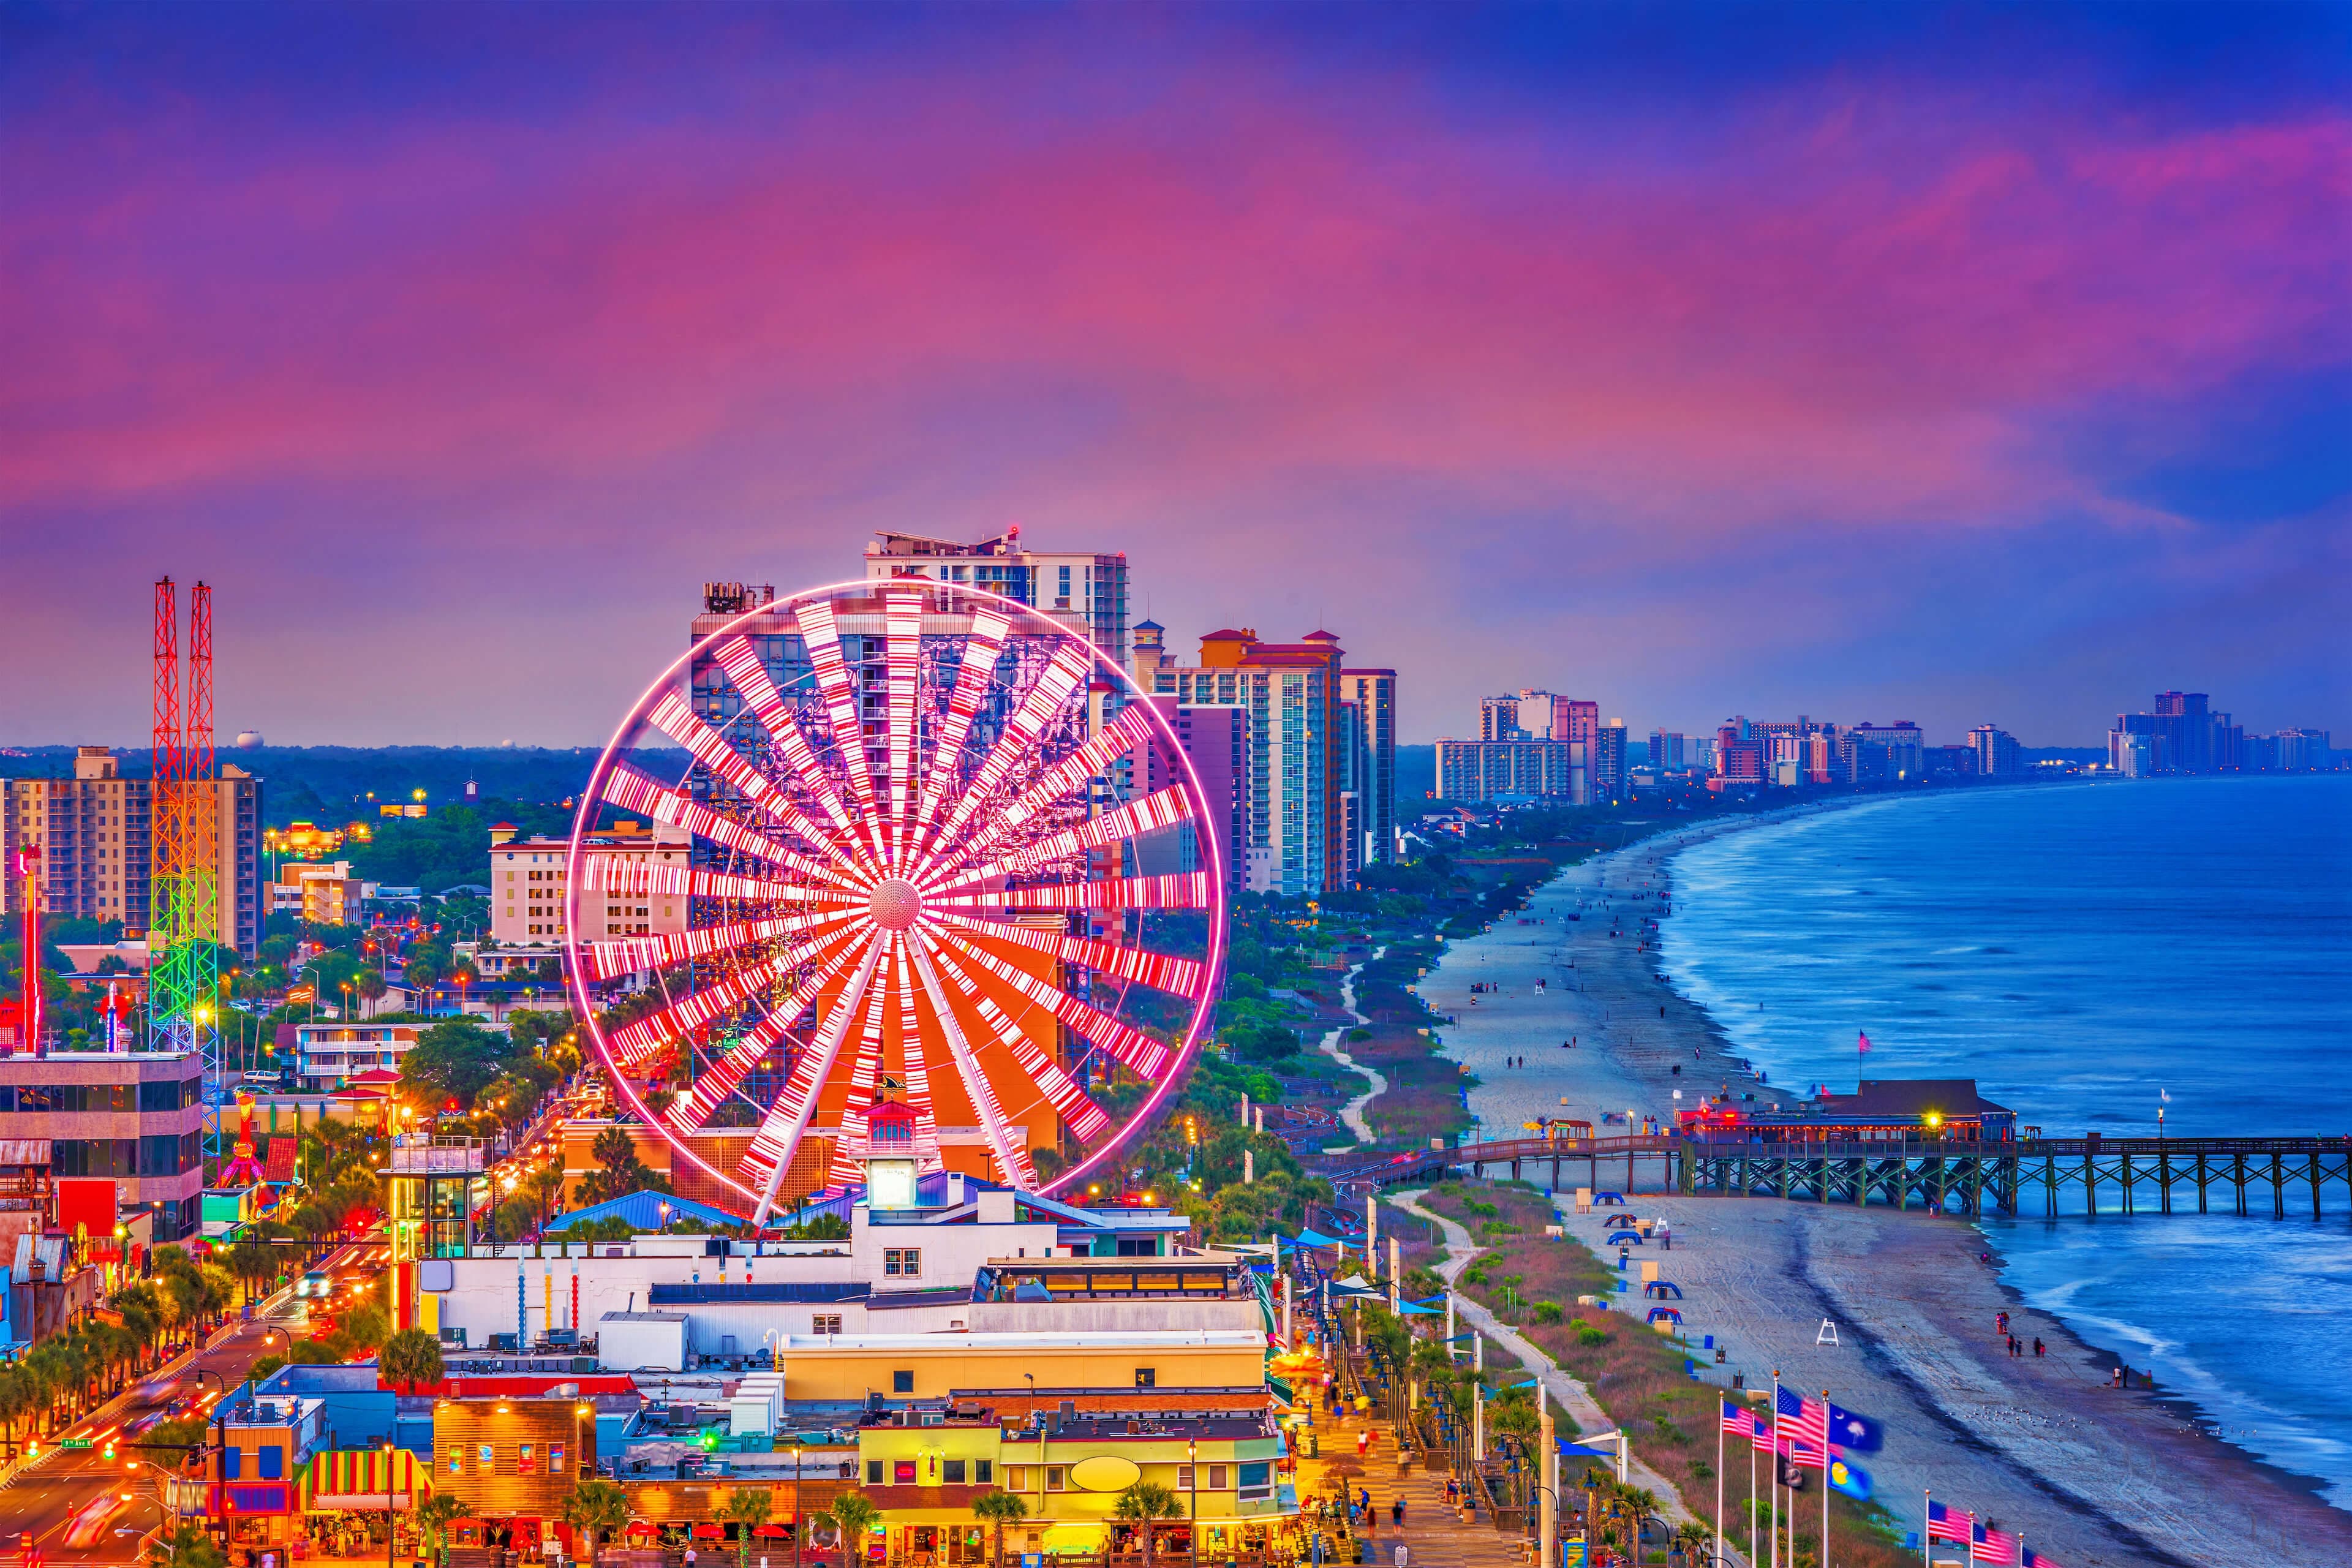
(1433,1536)
(1570,1395)
(1353,1113)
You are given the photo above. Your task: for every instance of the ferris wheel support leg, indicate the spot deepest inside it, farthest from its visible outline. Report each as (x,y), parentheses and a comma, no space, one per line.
(1011,1159)
(788,1130)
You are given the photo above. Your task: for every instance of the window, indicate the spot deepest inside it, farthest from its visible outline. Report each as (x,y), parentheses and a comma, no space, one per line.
(1016,1477)
(1217,1481)
(1183,1478)
(457,1461)
(906,1261)
(527,1460)
(873,1472)
(1054,1479)
(273,1462)
(951,1472)
(902,1383)
(490,1460)
(555,1460)
(825,1323)
(902,1472)
(1147,1378)
(232,1464)
(983,1471)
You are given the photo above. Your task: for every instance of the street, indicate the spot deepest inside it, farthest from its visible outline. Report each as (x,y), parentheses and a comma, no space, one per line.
(45,1500)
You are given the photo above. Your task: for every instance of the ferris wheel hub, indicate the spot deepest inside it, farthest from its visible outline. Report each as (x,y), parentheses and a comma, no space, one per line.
(896,903)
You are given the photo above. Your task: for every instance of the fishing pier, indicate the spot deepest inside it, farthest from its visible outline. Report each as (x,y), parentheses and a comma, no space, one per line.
(2017,1177)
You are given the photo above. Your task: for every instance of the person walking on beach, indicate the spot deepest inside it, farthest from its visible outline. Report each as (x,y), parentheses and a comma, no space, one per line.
(2001,1322)
(2037,1347)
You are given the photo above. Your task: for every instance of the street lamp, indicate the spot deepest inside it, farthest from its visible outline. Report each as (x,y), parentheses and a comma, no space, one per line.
(1192,1472)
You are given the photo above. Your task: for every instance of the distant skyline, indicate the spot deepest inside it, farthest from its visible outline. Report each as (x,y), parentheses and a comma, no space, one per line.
(1955,365)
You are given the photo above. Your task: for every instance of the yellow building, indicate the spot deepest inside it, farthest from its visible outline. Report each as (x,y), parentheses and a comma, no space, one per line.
(1228,1470)
(848,1368)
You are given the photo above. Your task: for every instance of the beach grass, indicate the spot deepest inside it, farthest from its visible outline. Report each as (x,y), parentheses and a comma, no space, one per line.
(1637,1375)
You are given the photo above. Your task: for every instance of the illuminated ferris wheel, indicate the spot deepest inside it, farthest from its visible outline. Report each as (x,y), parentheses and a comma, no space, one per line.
(952,895)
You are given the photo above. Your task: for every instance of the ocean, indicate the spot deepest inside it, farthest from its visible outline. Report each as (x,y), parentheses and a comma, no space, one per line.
(2091,955)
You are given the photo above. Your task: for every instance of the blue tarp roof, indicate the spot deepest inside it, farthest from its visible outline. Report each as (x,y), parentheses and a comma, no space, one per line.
(643,1210)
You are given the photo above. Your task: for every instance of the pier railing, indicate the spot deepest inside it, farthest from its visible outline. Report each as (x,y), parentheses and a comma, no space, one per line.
(2091,1175)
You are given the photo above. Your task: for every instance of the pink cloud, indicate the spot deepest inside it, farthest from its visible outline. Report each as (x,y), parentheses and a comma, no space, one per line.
(1205,303)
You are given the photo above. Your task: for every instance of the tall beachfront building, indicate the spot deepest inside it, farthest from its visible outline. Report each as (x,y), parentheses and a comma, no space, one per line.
(1087,591)
(1372,694)
(1304,746)
(94,833)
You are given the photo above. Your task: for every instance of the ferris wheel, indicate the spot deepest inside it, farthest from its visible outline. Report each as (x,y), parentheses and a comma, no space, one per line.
(943,885)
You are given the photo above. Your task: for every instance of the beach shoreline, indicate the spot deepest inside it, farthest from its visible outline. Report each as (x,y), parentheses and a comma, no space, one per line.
(2090,1475)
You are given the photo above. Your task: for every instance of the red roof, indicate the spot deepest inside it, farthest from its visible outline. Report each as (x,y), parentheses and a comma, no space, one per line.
(509,826)
(375,1076)
(1229,635)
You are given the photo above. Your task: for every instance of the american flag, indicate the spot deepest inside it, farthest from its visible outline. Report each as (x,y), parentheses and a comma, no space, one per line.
(1764,1439)
(1943,1525)
(1992,1545)
(2035,1560)
(1805,1454)
(1802,1420)
(1736,1421)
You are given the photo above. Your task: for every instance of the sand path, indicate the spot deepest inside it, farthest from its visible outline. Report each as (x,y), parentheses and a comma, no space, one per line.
(1353,1113)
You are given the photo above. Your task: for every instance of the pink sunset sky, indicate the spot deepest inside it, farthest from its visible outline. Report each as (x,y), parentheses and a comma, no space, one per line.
(1956,367)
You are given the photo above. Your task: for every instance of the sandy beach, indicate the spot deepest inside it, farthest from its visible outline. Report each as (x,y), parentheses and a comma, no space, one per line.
(2087,1475)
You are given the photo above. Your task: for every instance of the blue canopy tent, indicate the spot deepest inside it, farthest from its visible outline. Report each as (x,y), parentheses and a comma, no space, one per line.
(1627,1238)
(1316,1239)
(1662,1289)
(1663,1315)
(1612,1200)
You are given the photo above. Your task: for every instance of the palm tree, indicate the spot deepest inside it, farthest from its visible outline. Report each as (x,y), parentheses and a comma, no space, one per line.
(999,1509)
(1643,1504)
(409,1358)
(851,1515)
(369,984)
(1145,1504)
(432,1517)
(595,1505)
(747,1511)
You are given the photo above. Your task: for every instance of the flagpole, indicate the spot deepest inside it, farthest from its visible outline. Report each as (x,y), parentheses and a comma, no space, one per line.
(1928,1529)
(1776,1470)
(1753,1555)
(1719,1477)
(1825,1475)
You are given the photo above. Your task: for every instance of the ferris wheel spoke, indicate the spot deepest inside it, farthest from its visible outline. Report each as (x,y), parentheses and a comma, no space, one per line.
(709,1091)
(1012,1154)
(823,640)
(1160,971)
(902,652)
(633,1043)
(972,677)
(633,790)
(608,960)
(1085,1117)
(708,746)
(915,1063)
(779,1137)
(850,1147)
(1123,735)
(1045,696)
(1175,891)
(1155,813)
(1128,1045)
(750,677)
